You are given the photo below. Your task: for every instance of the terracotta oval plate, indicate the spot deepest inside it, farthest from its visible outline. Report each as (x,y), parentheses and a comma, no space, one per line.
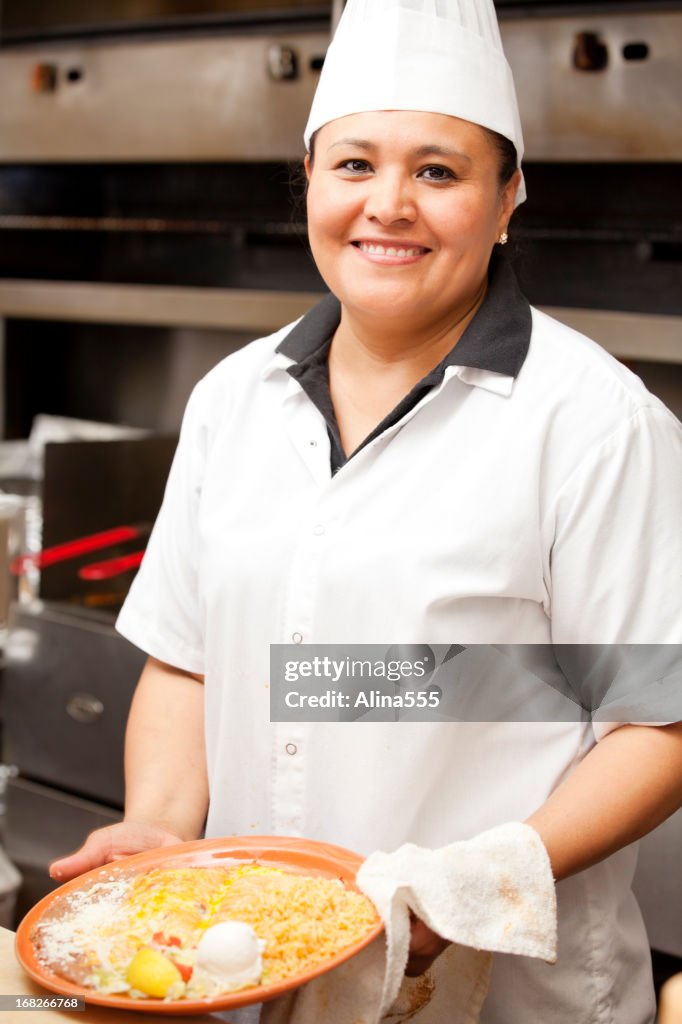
(300,856)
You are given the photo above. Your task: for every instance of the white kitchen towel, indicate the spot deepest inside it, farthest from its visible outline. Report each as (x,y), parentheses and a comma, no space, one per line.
(492,893)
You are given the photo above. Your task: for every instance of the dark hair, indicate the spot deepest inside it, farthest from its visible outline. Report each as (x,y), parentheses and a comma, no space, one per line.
(506,152)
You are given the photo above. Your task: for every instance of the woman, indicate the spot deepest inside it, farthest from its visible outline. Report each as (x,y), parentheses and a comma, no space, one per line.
(421,459)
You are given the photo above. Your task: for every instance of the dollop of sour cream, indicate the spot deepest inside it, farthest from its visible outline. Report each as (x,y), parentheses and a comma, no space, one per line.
(229,957)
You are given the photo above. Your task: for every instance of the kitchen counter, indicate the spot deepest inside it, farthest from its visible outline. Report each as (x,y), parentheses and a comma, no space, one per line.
(13,981)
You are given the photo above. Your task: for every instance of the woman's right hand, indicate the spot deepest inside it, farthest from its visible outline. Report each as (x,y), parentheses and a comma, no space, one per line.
(112,843)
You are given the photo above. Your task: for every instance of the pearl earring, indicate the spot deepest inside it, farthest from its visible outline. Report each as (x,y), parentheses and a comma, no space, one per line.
(503,239)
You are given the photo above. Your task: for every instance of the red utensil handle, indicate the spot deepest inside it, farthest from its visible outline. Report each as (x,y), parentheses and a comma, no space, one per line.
(73,548)
(111,567)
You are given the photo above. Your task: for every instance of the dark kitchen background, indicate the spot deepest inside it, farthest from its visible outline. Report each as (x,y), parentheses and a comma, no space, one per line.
(151,222)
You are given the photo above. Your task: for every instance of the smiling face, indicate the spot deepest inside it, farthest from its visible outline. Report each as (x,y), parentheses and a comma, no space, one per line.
(404,208)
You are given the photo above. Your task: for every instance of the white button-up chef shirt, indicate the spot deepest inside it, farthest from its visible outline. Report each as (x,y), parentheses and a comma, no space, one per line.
(540,504)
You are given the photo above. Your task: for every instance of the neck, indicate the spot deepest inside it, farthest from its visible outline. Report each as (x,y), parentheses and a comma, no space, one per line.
(377,343)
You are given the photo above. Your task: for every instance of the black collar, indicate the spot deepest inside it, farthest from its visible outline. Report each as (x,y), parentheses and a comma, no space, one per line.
(497,338)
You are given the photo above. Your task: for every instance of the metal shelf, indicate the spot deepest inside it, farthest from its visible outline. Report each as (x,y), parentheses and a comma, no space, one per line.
(642,336)
(645,336)
(153,305)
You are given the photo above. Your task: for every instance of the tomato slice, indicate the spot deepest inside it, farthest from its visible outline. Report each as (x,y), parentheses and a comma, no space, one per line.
(185,970)
(160,939)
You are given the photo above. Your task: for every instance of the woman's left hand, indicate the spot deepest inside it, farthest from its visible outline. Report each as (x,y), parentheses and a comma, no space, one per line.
(425,946)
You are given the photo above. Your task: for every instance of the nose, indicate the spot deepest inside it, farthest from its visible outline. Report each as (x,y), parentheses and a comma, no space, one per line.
(390,199)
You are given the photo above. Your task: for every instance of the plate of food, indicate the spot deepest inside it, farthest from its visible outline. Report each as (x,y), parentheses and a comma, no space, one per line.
(209,925)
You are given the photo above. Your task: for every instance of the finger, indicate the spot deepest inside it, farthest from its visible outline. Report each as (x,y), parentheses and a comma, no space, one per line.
(421,959)
(96,850)
(422,937)
(111,843)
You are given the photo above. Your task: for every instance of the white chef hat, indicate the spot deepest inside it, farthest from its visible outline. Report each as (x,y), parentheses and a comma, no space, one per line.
(440,56)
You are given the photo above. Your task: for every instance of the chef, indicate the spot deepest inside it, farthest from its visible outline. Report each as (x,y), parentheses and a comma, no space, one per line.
(423,458)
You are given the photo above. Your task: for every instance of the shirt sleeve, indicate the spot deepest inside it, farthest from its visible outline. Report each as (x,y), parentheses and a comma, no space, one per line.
(162,612)
(616,563)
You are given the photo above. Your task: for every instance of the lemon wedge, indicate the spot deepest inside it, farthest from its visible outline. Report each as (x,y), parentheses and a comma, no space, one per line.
(153,973)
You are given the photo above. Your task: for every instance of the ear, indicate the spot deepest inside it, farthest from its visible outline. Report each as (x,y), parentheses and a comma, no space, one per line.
(508,200)
(308,167)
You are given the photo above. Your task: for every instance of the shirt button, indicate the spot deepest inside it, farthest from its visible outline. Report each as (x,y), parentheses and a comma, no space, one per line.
(291,748)
(319,530)
(297,638)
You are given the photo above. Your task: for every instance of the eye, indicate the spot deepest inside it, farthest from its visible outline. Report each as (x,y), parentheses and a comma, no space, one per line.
(437,174)
(354,166)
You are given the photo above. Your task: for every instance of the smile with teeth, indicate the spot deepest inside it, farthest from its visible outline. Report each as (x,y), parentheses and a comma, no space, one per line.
(401,252)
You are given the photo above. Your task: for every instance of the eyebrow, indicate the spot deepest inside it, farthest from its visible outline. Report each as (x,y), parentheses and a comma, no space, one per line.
(431,149)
